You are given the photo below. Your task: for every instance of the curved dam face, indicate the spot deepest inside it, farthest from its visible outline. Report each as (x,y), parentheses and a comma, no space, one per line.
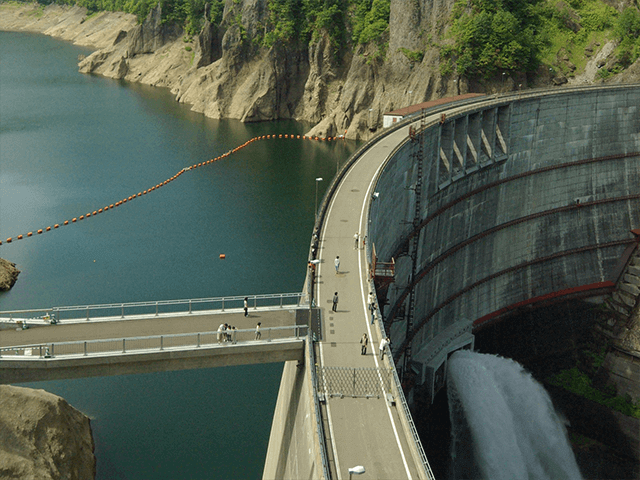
(504,203)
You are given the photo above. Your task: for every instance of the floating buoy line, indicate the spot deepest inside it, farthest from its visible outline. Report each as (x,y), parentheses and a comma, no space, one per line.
(159,185)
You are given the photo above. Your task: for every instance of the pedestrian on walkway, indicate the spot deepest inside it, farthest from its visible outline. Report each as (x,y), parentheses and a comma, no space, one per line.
(372,309)
(335,302)
(383,345)
(364,341)
(234,333)
(246,306)
(258,332)
(356,237)
(336,262)
(220,332)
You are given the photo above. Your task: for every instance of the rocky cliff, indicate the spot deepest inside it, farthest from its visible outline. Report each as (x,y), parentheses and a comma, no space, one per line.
(42,437)
(223,73)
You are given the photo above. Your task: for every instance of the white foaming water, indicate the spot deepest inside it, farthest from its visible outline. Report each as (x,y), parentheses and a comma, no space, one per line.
(514,430)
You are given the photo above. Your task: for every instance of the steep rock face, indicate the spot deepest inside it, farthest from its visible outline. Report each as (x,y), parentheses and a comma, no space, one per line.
(43,437)
(8,274)
(227,75)
(224,73)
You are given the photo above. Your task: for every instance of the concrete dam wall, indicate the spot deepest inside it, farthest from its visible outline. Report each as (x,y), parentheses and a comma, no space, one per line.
(501,204)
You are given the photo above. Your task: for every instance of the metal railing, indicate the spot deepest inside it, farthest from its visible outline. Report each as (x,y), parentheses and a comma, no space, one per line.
(316,403)
(157,308)
(412,426)
(152,343)
(365,382)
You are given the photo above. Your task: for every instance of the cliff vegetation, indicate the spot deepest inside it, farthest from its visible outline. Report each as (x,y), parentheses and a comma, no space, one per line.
(341,64)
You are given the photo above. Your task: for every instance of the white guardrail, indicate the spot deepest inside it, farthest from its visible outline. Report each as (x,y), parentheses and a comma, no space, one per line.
(154,343)
(157,308)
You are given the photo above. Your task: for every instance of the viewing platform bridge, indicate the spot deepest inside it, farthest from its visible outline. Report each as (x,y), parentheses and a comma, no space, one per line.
(142,337)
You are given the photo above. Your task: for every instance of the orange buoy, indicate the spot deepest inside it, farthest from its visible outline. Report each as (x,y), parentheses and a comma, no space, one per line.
(111,206)
(280,136)
(81,217)
(19,237)
(30,234)
(222,256)
(48,229)
(56,226)
(74,219)
(95,212)
(39,231)
(9,240)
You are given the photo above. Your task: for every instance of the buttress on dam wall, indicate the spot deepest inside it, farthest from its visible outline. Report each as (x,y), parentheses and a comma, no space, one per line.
(499,204)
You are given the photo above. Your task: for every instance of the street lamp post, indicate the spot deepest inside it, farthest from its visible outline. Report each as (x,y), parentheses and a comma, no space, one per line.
(318,180)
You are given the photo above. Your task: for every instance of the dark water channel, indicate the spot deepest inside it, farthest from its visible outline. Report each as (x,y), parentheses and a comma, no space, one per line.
(72,143)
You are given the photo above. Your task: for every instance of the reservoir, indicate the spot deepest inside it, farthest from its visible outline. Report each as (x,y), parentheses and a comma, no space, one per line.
(71,144)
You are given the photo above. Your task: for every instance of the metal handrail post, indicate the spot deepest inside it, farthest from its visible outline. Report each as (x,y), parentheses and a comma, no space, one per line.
(161,342)
(198,345)
(156,309)
(281,299)
(223,304)
(87,313)
(122,310)
(255,302)
(123,345)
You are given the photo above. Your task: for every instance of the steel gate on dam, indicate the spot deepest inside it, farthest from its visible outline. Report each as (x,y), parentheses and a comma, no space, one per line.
(502,203)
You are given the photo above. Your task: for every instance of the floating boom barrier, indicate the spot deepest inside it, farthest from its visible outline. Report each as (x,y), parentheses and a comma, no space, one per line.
(167,181)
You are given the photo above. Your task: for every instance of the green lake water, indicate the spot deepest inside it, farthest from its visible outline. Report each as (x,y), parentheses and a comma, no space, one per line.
(71,144)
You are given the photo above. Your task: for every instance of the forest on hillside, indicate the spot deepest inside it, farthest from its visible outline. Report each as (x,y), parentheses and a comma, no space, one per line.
(484,37)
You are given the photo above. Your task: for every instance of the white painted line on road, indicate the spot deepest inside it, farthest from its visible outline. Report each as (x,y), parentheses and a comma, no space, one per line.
(375,357)
(361,254)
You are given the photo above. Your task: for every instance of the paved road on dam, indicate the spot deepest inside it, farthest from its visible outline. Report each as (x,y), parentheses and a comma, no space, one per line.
(362,431)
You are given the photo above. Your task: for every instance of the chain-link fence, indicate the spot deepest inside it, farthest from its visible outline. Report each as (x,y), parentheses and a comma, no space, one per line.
(354,382)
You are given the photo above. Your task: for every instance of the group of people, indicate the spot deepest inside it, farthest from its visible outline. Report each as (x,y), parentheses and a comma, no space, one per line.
(364,342)
(227,333)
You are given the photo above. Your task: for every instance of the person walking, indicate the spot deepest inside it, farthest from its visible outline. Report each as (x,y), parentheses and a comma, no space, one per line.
(383,344)
(372,309)
(356,237)
(220,332)
(246,306)
(335,302)
(364,341)
(258,332)
(336,262)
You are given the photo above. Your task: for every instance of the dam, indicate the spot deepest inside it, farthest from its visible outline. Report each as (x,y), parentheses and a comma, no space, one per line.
(462,213)
(470,211)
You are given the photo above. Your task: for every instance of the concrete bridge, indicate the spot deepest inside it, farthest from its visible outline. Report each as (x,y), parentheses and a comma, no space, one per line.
(143,337)
(465,213)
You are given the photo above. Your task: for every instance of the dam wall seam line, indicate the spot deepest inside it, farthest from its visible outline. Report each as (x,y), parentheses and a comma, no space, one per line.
(456,248)
(496,183)
(495,275)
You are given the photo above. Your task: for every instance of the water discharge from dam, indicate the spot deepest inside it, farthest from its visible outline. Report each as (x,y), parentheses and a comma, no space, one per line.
(503,424)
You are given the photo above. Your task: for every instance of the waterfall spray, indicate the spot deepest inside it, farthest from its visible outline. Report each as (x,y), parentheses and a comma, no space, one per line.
(504,420)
